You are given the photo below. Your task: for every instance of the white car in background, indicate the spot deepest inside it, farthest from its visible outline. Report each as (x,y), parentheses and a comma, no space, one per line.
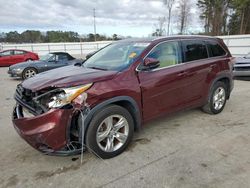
(242,66)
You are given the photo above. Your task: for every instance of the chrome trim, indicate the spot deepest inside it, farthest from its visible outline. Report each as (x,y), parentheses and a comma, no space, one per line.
(157,69)
(182,63)
(207,40)
(173,40)
(18,113)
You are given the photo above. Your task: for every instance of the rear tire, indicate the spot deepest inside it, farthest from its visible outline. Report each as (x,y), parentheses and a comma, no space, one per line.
(28,73)
(110,132)
(217,98)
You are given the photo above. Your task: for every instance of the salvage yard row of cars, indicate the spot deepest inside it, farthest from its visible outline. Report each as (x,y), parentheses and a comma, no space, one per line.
(98,103)
(50,61)
(26,64)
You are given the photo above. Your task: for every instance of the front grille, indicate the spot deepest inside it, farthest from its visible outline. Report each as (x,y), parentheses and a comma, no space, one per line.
(24,94)
(25,97)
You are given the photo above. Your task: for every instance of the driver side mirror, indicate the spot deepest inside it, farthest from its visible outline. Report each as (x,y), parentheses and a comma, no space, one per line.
(151,63)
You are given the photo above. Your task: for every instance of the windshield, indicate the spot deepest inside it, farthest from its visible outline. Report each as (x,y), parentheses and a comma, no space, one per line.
(116,56)
(47,57)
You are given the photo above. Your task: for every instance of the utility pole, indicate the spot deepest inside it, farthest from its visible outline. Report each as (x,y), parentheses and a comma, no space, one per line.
(94,23)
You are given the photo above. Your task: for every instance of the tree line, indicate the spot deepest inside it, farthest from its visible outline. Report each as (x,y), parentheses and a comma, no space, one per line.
(218,17)
(33,36)
(225,16)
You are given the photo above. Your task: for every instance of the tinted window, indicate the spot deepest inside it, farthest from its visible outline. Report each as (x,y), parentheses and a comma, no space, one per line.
(194,50)
(215,49)
(167,53)
(62,57)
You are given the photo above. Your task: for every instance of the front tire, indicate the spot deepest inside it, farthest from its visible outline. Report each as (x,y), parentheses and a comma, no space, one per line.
(28,73)
(216,99)
(110,132)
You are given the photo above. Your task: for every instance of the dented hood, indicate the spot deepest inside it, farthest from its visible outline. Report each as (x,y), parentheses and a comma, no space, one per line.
(67,77)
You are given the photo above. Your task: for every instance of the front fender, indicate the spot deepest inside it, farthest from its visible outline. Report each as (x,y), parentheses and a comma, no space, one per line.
(136,113)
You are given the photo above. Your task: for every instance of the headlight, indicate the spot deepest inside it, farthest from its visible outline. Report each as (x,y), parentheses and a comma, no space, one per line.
(66,95)
(17,69)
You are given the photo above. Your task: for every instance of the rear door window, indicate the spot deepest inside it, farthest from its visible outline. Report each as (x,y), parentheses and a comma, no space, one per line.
(215,49)
(194,50)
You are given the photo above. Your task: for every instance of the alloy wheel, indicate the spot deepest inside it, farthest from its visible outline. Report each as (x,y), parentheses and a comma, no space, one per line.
(29,73)
(112,133)
(219,98)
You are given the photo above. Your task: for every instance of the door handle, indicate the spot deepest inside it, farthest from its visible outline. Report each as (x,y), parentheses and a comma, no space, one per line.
(213,66)
(182,73)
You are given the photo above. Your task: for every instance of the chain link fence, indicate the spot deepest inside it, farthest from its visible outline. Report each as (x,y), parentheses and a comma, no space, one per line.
(77,48)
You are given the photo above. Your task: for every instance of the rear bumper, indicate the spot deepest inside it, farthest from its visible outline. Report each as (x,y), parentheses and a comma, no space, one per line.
(46,132)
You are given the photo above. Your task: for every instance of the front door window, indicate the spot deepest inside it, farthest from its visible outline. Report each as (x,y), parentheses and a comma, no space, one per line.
(167,53)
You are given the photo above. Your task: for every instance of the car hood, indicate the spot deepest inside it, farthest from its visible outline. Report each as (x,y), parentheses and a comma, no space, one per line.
(68,76)
(24,64)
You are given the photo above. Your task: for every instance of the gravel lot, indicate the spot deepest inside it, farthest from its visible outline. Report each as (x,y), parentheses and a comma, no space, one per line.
(189,149)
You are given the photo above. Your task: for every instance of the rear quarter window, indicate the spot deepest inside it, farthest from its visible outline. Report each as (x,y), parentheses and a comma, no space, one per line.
(194,50)
(19,52)
(215,49)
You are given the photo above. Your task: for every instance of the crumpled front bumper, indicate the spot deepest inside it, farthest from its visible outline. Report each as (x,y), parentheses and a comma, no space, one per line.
(46,132)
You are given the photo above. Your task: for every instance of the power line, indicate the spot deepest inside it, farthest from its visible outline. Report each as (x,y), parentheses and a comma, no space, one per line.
(94,23)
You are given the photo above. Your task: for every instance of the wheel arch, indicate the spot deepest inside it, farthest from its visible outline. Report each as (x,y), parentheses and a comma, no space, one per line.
(29,67)
(225,78)
(123,101)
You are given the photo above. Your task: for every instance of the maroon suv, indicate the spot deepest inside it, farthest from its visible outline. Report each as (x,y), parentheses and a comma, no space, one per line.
(99,105)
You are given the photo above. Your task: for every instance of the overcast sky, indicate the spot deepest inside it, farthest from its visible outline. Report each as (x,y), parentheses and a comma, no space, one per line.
(123,17)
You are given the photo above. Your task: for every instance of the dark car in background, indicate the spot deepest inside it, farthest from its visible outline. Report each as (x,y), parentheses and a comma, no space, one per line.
(99,105)
(11,57)
(50,61)
(242,66)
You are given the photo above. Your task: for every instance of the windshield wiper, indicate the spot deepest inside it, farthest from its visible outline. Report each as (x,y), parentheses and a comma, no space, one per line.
(98,68)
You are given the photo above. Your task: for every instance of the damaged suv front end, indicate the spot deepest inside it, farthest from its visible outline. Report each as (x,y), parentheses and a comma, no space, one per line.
(43,118)
(58,111)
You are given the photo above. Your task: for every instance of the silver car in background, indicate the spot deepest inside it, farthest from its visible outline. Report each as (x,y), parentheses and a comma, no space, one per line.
(242,66)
